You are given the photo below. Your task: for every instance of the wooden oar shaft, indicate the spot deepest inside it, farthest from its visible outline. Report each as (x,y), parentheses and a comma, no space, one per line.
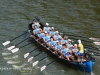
(21,41)
(25,45)
(45,57)
(18,36)
(52,61)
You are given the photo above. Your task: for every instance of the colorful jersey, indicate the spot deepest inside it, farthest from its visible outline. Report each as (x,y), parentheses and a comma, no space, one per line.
(52,33)
(64,41)
(36,30)
(59,47)
(35,24)
(41,35)
(52,43)
(65,50)
(81,48)
(76,50)
(47,38)
(47,29)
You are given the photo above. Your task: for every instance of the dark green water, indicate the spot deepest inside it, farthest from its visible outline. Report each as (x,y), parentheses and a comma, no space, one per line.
(79,17)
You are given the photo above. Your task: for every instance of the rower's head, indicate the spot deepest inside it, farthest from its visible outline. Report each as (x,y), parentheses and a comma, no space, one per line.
(69,41)
(57,42)
(46,33)
(75,45)
(63,46)
(52,28)
(79,41)
(35,27)
(64,37)
(57,33)
(47,24)
(34,21)
(51,38)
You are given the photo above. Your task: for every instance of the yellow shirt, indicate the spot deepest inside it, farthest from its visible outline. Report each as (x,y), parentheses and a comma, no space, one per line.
(81,48)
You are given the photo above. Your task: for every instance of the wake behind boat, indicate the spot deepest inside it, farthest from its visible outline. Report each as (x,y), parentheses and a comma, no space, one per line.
(85,65)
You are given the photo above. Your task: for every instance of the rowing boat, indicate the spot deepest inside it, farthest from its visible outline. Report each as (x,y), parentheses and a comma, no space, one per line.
(85,66)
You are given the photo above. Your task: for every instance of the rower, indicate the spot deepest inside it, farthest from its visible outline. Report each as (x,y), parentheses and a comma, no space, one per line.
(40,35)
(57,37)
(47,28)
(81,50)
(46,38)
(35,24)
(76,51)
(70,46)
(51,43)
(58,47)
(65,52)
(52,32)
(63,41)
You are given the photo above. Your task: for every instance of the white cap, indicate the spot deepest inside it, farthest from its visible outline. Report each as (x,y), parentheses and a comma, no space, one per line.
(47,24)
(75,44)
(57,41)
(57,32)
(45,31)
(52,27)
(69,39)
(79,41)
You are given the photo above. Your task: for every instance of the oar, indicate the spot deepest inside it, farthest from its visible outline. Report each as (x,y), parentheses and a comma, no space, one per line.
(43,67)
(16,49)
(11,47)
(7,42)
(36,62)
(34,56)
(27,54)
(94,39)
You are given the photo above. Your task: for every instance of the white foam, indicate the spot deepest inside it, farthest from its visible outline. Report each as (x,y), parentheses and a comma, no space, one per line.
(13,62)
(6,54)
(13,57)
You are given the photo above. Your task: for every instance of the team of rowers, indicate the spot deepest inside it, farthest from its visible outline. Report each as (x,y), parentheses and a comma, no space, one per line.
(58,43)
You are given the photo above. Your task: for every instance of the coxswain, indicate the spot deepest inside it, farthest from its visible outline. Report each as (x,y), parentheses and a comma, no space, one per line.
(35,24)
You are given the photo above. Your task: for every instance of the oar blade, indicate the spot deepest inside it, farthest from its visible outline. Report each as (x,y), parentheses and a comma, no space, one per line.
(43,67)
(35,63)
(11,47)
(14,50)
(97,43)
(26,55)
(30,59)
(94,39)
(6,43)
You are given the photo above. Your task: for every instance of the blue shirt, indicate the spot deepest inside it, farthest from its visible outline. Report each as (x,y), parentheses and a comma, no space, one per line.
(47,38)
(52,43)
(35,24)
(41,35)
(36,30)
(65,50)
(59,47)
(70,45)
(47,29)
(76,50)
(64,41)
(52,33)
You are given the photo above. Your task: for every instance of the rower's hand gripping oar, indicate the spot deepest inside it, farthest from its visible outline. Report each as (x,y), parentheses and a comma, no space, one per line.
(7,42)
(11,47)
(16,49)
(36,62)
(43,67)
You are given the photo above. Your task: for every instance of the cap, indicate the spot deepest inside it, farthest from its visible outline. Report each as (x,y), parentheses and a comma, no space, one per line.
(69,39)
(79,41)
(52,27)
(47,24)
(57,41)
(75,44)
(57,32)
(45,31)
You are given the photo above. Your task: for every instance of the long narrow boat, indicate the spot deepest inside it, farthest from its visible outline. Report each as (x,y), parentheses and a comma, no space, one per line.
(85,66)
